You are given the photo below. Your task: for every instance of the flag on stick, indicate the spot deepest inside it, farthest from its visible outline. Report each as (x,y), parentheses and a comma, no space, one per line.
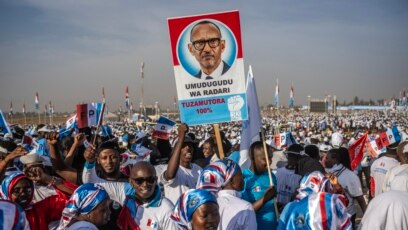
(88,114)
(252,126)
(37,102)
(127,104)
(163,128)
(4,126)
(356,151)
(11,109)
(291,97)
(277,93)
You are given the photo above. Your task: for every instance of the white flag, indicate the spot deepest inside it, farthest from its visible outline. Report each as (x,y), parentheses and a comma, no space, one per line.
(250,127)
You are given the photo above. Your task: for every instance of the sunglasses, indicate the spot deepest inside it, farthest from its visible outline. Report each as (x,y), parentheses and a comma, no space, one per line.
(141,180)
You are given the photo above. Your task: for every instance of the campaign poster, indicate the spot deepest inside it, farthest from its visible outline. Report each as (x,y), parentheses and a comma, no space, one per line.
(209,67)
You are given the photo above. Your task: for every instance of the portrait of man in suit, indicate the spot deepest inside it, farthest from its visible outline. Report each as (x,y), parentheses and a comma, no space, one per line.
(207,45)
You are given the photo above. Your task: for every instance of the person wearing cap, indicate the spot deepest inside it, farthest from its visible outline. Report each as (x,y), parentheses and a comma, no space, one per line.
(288,180)
(323,150)
(396,178)
(36,169)
(180,174)
(348,180)
(258,189)
(380,167)
(224,179)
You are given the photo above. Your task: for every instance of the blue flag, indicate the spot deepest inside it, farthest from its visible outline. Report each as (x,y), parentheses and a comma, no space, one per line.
(4,127)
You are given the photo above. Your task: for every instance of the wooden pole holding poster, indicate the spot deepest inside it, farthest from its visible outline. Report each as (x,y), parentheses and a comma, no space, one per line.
(266,156)
(269,169)
(219,141)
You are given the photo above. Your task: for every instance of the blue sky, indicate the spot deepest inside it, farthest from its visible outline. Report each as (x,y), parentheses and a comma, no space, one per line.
(69,50)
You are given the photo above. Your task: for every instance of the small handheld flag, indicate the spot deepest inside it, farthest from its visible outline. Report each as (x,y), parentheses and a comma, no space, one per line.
(163,128)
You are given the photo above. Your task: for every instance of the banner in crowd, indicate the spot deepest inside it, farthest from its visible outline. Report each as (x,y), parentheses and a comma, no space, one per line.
(283,139)
(163,128)
(378,145)
(88,114)
(209,67)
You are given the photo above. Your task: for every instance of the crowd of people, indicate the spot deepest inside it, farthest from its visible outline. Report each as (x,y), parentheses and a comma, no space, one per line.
(103,180)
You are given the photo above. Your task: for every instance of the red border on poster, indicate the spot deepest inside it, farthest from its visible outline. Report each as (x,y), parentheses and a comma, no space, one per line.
(178,24)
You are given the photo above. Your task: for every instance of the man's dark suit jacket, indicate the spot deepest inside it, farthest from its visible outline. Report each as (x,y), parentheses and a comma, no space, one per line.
(224,70)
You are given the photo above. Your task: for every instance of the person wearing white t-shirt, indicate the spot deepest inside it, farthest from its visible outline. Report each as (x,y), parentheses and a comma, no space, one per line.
(396,178)
(348,180)
(180,175)
(388,210)
(380,167)
(288,180)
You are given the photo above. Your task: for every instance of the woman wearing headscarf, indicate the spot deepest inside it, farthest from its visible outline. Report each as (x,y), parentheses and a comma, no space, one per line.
(196,209)
(12,216)
(18,188)
(315,206)
(224,179)
(87,208)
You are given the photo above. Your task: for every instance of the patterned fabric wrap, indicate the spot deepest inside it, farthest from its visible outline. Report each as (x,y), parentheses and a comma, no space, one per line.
(217,174)
(12,216)
(320,210)
(313,183)
(9,182)
(85,199)
(188,203)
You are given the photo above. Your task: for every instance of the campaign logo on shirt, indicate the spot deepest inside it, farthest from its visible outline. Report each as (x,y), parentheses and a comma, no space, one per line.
(193,202)
(257,189)
(300,221)
(151,223)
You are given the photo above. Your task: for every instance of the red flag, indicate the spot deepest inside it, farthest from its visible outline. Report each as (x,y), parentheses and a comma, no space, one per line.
(357,147)
(27,140)
(384,139)
(379,143)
